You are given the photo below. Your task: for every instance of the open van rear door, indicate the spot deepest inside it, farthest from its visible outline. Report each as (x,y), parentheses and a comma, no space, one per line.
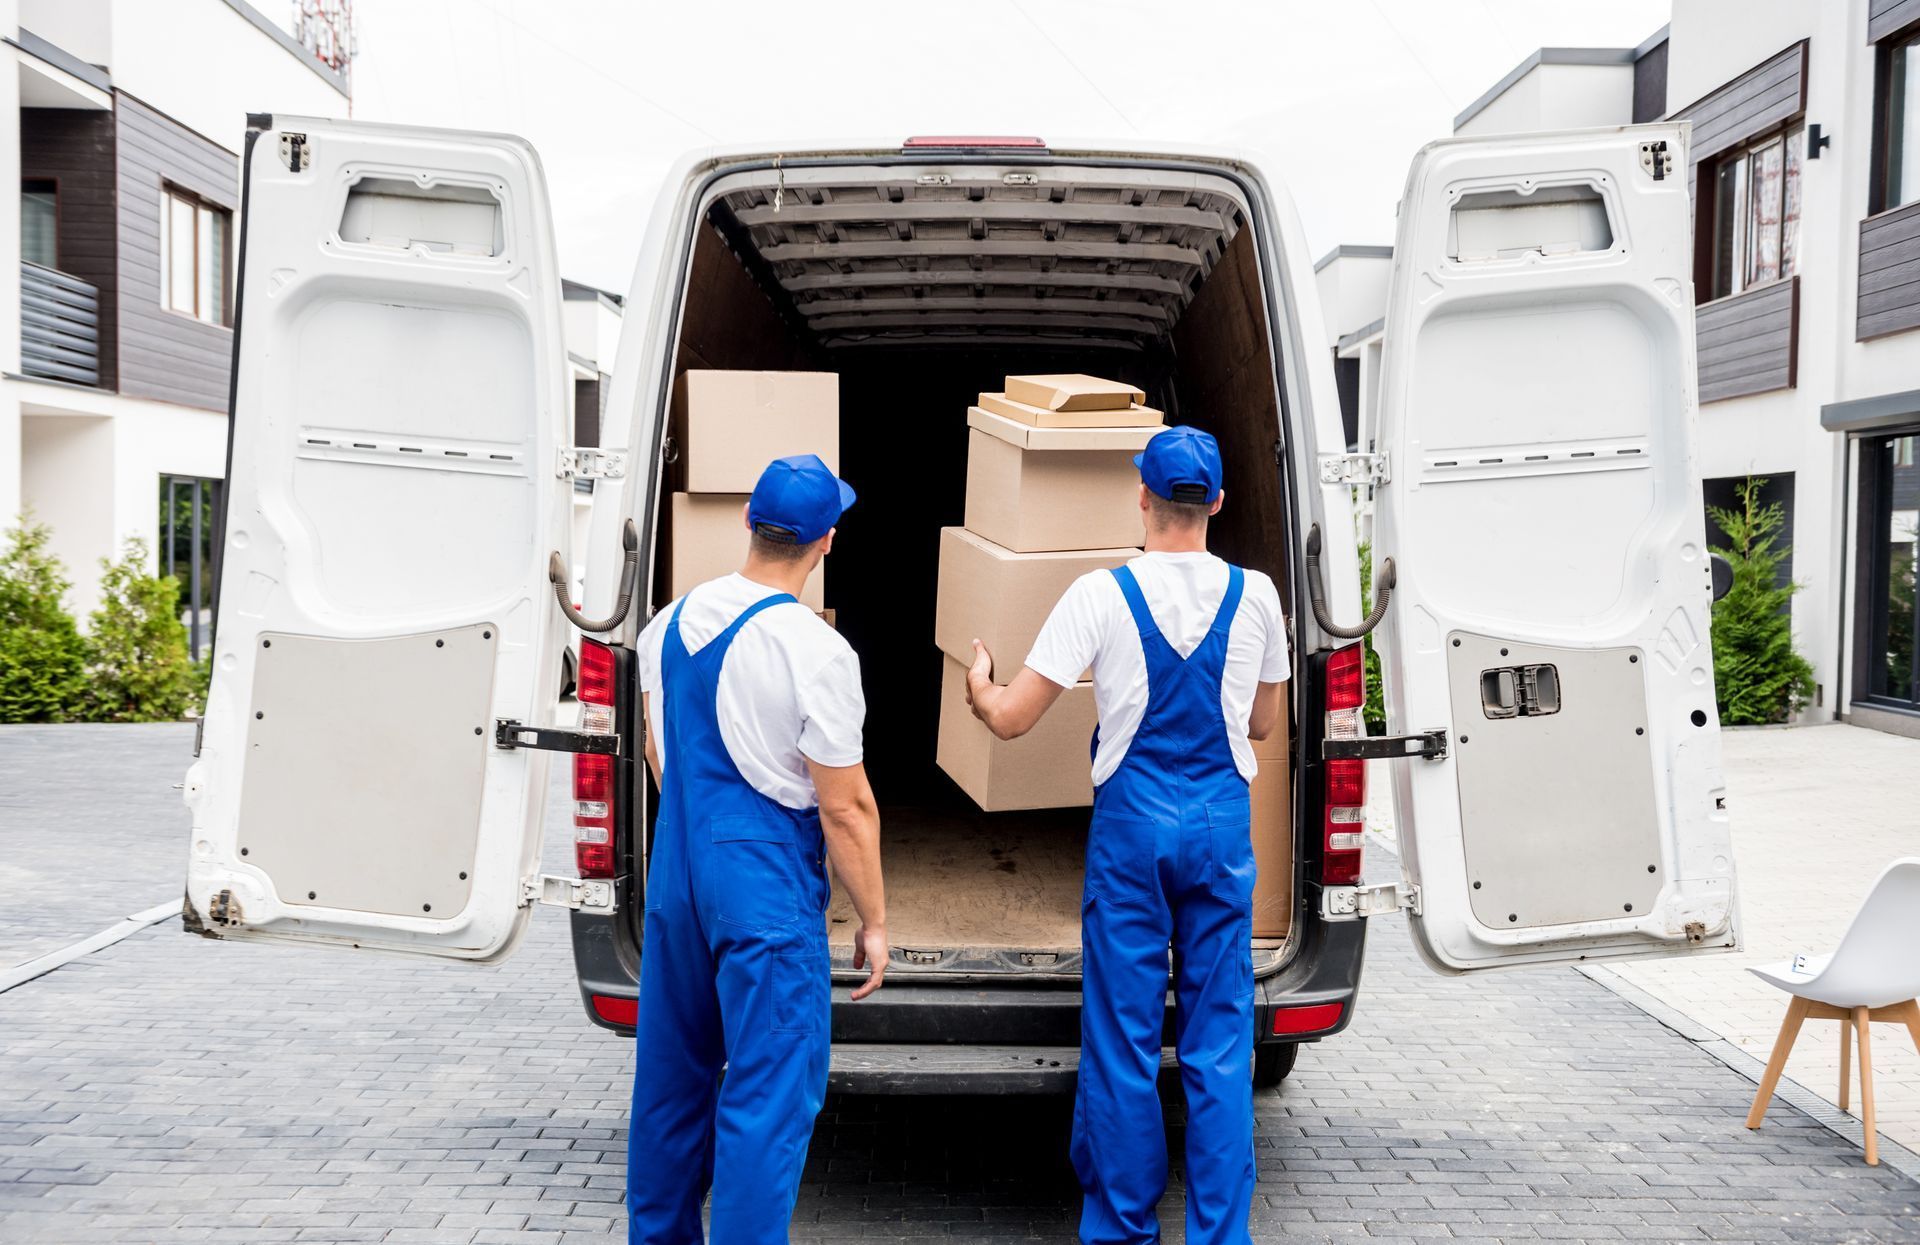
(392,501)
(1543,512)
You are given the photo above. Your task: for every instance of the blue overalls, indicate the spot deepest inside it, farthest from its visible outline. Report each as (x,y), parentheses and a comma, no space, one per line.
(1169,860)
(733,975)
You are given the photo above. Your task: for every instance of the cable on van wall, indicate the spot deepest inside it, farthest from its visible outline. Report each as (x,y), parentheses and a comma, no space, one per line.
(1317,593)
(629,569)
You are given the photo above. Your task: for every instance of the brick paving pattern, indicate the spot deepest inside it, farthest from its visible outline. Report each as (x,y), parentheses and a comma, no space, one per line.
(170,1089)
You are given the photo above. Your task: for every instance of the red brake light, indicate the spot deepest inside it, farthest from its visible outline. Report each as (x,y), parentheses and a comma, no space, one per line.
(1347,678)
(595,683)
(1346,784)
(616,1011)
(1312,1019)
(974,140)
(595,803)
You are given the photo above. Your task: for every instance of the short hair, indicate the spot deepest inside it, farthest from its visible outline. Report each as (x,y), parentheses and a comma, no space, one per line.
(777,545)
(1165,512)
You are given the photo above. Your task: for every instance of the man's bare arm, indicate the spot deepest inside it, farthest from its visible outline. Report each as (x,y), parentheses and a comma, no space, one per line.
(1269,704)
(1013,710)
(850,820)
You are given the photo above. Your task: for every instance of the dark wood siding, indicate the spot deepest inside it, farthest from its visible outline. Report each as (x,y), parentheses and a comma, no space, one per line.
(1748,343)
(1650,84)
(163,354)
(1763,97)
(73,148)
(1884,17)
(1889,273)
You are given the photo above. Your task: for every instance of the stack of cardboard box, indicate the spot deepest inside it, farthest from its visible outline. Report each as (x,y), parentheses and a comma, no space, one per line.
(1051,495)
(727,426)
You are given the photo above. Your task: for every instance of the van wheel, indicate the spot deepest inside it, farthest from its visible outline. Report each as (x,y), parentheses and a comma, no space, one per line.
(1272,1064)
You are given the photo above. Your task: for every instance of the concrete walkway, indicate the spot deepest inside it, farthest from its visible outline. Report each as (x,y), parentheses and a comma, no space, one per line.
(1817,813)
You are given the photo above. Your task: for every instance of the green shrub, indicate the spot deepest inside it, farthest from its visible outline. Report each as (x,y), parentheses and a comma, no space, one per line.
(1757,674)
(1375,712)
(43,675)
(137,645)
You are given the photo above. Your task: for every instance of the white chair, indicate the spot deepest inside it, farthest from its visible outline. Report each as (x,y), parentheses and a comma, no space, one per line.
(1874,974)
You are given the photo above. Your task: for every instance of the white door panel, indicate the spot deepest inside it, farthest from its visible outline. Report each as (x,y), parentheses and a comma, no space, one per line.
(1544,516)
(399,407)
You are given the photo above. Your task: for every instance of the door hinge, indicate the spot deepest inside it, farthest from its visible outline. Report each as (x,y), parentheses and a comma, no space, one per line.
(510,733)
(1656,159)
(583,462)
(1354,469)
(1430,745)
(1350,903)
(580,894)
(294,152)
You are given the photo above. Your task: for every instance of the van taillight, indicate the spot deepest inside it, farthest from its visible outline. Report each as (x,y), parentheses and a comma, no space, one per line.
(594,801)
(1346,794)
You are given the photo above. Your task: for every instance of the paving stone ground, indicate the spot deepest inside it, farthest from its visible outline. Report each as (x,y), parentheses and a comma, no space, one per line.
(174,1089)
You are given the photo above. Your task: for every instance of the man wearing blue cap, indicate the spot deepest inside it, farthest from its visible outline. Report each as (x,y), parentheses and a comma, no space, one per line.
(1188,656)
(754,713)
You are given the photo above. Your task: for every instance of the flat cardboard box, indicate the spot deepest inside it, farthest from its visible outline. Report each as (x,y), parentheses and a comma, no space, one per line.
(1272,837)
(1045,417)
(1073,391)
(1050,766)
(708,539)
(1039,490)
(990,593)
(728,425)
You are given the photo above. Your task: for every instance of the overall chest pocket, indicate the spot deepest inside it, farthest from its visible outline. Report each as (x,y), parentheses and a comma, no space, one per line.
(753,878)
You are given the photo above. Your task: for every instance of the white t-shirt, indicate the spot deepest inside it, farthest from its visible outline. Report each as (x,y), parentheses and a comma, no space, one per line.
(1092,626)
(789,687)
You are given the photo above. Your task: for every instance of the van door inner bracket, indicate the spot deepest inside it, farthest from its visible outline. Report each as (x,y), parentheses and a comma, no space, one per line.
(1354,469)
(1429,745)
(510,733)
(1656,159)
(581,894)
(1347,903)
(581,462)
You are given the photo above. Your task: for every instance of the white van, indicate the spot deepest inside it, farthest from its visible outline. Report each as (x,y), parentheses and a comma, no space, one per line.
(373,761)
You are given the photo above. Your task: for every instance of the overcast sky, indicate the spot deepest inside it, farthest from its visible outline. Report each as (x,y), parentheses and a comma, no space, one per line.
(1339,93)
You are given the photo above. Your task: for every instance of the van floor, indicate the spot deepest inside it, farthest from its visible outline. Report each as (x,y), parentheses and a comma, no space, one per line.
(961,878)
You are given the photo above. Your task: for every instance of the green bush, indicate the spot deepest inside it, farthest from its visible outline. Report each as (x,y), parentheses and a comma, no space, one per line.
(1375,712)
(1758,676)
(43,660)
(137,645)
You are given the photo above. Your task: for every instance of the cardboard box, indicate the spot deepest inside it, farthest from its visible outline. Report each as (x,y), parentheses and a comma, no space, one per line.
(1073,392)
(728,426)
(1045,417)
(1001,598)
(1037,490)
(1050,766)
(708,539)
(1273,836)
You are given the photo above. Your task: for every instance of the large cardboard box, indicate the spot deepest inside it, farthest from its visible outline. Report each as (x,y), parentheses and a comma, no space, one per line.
(1037,490)
(728,426)
(1273,836)
(1001,598)
(1135,416)
(1073,391)
(1050,766)
(708,539)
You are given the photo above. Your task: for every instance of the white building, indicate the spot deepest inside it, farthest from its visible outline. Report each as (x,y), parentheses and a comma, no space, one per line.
(1806,169)
(117,261)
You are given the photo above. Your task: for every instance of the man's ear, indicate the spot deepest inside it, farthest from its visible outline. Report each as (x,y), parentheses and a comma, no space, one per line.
(746,512)
(826,542)
(1143,497)
(1218,502)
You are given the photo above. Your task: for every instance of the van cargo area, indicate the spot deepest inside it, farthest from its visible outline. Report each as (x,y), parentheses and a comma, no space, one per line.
(921,287)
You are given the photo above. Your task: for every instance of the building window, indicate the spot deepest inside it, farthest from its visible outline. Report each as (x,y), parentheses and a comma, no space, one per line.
(1756,212)
(39,234)
(1893,673)
(1900,123)
(195,267)
(189,531)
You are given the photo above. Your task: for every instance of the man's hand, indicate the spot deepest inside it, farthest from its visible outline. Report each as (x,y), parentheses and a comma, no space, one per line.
(979,675)
(1009,711)
(870,948)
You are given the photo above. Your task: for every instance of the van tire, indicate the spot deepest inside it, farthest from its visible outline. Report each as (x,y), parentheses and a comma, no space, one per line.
(1273,1063)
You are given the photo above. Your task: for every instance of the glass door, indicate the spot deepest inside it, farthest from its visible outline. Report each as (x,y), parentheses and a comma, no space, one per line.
(1893,673)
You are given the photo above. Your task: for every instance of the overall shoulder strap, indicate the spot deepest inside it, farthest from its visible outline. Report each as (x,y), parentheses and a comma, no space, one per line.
(1136,601)
(1230,603)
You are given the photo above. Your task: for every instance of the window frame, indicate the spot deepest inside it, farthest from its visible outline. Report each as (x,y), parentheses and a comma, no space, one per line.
(1790,135)
(31,185)
(171,197)
(1879,188)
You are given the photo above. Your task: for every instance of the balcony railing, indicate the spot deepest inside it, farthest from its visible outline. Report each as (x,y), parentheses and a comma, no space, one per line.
(59,326)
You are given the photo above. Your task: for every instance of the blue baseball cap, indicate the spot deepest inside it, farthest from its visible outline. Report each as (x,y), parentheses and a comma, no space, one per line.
(797,499)
(1181,464)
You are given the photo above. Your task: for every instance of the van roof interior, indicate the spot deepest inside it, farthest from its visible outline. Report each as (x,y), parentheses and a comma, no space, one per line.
(920,291)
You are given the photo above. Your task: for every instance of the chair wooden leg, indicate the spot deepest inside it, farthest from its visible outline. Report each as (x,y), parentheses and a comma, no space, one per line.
(1864,1025)
(1911,1015)
(1846,1054)
(1777,1062)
